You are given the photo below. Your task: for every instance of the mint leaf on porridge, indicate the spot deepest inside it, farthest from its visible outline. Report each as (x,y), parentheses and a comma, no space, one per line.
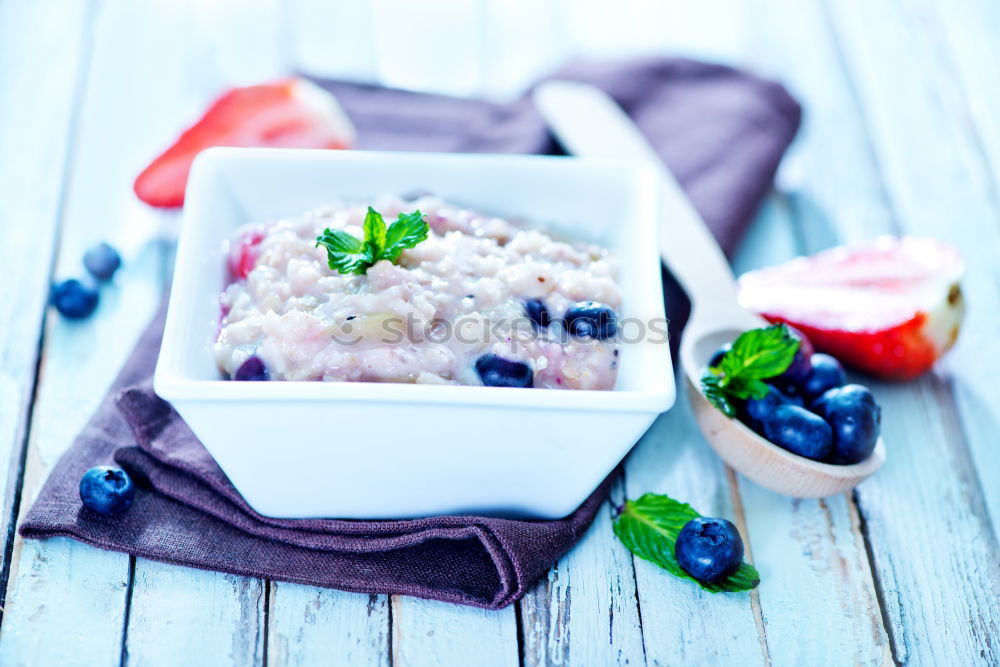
(344,252)
(408,230)
(374,228)
(350,255)
(755,356)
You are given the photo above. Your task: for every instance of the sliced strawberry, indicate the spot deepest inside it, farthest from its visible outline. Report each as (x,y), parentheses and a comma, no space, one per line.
(292,113)
(890,307)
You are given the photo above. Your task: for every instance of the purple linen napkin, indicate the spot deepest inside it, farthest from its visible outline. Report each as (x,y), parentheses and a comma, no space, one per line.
(722,132)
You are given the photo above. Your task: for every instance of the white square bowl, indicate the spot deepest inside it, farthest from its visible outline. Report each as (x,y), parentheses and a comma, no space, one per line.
(379,450)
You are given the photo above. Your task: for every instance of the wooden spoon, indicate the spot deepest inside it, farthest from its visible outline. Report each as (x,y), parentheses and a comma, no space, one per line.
(589,123)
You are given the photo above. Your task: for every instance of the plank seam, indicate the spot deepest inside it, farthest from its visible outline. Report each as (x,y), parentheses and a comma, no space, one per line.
(123,655)
(267,621)
(741,521)
(69,161)
(879,590)
(519,628)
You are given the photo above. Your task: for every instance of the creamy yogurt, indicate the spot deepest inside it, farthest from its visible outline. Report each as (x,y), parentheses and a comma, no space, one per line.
(456,299)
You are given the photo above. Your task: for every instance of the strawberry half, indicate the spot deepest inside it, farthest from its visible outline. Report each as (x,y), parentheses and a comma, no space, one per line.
(291,113)
(890,307)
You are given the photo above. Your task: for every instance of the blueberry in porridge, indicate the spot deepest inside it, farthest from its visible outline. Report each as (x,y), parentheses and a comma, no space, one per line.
(419,291)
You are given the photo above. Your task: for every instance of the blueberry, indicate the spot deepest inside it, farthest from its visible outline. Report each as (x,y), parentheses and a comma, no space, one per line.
(537,312)
(854,417)
(759,409)
(801,363)
(799,431)
(716,357)
(102,261)
(709,549)
(495,371)
(74,299)
(590,319)
(826,373)
(252,370)
(107,490)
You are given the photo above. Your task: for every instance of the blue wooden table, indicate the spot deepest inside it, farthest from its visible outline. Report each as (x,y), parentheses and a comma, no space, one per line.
(901,134)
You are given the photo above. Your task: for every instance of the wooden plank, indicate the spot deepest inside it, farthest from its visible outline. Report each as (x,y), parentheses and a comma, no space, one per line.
(584,611)
(144,82)
(820,604)
(678,616)
(934,548)
(40,55)
(314,626)
(332,38)
(223,615)
(438,633)
(174,607)
(964,35)
(817,596)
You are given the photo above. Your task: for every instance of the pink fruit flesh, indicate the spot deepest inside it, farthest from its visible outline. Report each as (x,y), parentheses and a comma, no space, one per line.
(890,307)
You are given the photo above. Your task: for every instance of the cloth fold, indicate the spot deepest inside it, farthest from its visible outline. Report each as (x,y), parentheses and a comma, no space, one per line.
(721,131)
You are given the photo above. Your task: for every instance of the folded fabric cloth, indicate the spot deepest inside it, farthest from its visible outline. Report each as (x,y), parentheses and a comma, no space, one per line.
(721,131)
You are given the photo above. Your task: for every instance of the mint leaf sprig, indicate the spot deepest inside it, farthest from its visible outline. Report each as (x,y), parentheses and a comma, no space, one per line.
(756,355)
(351,255)
(649,526)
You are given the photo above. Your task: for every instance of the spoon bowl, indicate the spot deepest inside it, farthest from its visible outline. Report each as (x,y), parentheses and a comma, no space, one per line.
(588,122)
(744,450)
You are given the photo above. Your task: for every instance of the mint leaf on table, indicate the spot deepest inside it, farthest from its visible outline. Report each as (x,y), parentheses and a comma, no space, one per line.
(756,355)
(648,527)
(351,255)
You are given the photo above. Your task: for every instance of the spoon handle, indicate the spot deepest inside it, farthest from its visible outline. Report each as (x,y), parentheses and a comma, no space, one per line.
(589,123)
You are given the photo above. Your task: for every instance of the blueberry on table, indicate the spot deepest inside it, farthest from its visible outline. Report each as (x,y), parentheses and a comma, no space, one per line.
(102,260)
(799,431)
(495,371)
(709,549)
(74,299)
(855,419)
(826,373)
(252,370)
(537,312)
(716,357)
(590,319)
(107,490)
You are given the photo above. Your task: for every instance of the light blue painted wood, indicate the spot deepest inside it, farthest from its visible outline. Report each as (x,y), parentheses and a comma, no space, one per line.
(677,616)
(182,616)
(39,70)
(317,626)
(940,596)
(965,33)
(584,611)
(817,596)
(425,632)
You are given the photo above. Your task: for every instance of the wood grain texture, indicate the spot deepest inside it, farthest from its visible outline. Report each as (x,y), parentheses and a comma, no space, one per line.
(40,71)
(225,43)
(584,611)
(964,35)
(425,632)
(218,617)
(317,626)
(817,594)
(681,623)
(933,496)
